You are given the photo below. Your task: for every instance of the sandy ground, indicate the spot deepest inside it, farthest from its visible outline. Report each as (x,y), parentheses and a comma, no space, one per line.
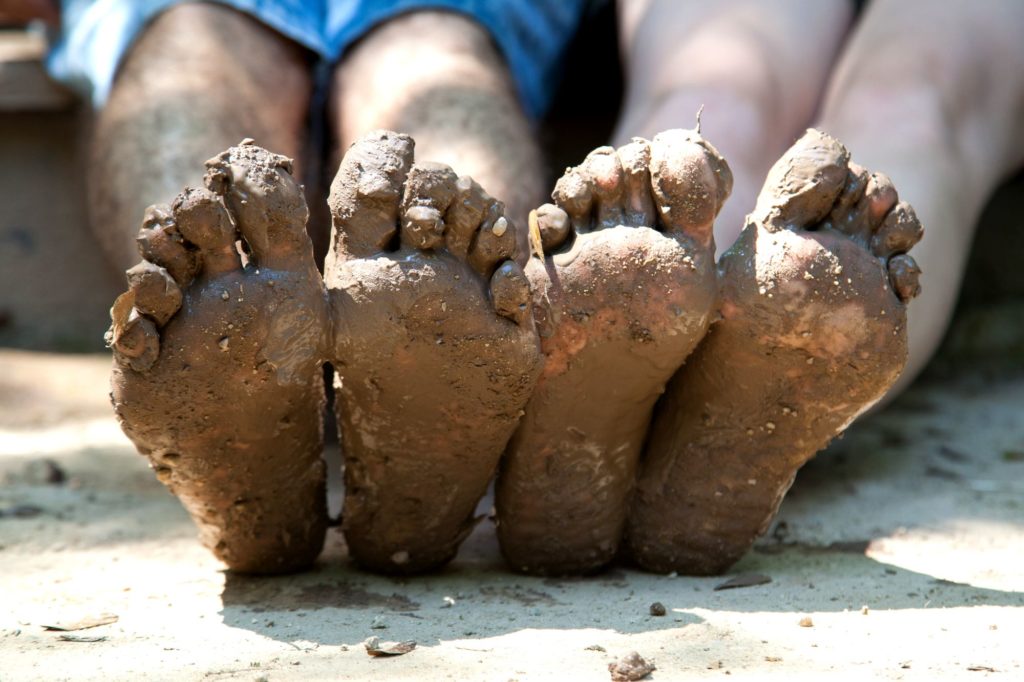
(898,555)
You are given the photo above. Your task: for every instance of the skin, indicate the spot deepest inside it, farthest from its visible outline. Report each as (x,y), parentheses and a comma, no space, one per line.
(813,332)
(154,134)
(452,93)
(947,162)
(217,376)
(624,293)
(901,88)
(435,350)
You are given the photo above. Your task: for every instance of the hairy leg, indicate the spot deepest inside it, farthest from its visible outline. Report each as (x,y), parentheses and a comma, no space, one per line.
(934,98)
(452,92)
(757,68)
(170,110)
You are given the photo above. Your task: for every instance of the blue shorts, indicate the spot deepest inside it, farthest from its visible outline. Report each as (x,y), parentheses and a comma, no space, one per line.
(532,35)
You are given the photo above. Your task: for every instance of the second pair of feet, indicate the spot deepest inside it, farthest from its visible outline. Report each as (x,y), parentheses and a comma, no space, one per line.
(464,346)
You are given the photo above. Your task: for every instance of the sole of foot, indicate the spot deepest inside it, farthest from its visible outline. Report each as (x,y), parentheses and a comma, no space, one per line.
(624,292)
(217,373)
(813,332)
(435,350)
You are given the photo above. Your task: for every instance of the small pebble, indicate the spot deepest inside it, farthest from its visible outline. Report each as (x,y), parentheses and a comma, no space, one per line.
(500,226)
(657,609)
(806,622)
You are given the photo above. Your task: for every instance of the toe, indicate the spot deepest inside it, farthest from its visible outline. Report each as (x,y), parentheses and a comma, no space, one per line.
(904,275)
(366,193)
(430,190)
(635,159)
(464,215)
(494,242)
(553,227)
(156,294)
(132,337)
(574,195)
(868,213)
(204,222)
(607,184)
(899,231)
(510,292)
(690,181)
(844,208)
(160,242)
(803,185)
(268,206)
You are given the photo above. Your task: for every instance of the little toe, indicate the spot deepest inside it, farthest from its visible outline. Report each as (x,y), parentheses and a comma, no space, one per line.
(366,192)
(156,294)
(574,194)
(899,231)
(133,338)
(204,222)
(607,183)
(638,205)
(510,292)
(430,189)
(904,276)
(160,242)
(690,182)
(803,186)
(464,215)
(268,206)
(495,241)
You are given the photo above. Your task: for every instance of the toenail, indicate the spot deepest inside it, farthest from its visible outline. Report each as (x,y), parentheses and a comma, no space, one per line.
(500,226)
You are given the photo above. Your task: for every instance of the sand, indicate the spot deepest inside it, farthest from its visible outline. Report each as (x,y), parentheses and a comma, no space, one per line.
(916,514)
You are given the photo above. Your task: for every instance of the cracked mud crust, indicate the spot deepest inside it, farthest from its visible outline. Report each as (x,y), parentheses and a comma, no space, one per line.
(435,349)
(623,294)
(217,374)
(813,332)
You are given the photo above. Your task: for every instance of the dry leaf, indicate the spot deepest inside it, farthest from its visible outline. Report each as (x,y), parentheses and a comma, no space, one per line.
(375,647)
(84,623)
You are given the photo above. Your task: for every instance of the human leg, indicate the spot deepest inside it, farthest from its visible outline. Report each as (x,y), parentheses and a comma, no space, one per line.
(933,96)
(438,77)
(196,81)
(757,68)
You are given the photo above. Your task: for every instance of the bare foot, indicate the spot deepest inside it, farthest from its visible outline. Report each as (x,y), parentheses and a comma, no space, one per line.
(435,350)
(813,333)
(623,297)
(217,373)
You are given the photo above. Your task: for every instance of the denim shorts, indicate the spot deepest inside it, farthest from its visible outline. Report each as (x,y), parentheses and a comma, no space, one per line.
(531,34)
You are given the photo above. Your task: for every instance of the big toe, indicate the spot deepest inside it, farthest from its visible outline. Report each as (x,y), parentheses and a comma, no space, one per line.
(804,184)
(267,203)
(367,191)
(690,182)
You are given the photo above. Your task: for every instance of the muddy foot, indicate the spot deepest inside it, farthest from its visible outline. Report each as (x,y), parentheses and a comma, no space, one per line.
(813,333)
(435,350)
(217,374)
(623,296)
